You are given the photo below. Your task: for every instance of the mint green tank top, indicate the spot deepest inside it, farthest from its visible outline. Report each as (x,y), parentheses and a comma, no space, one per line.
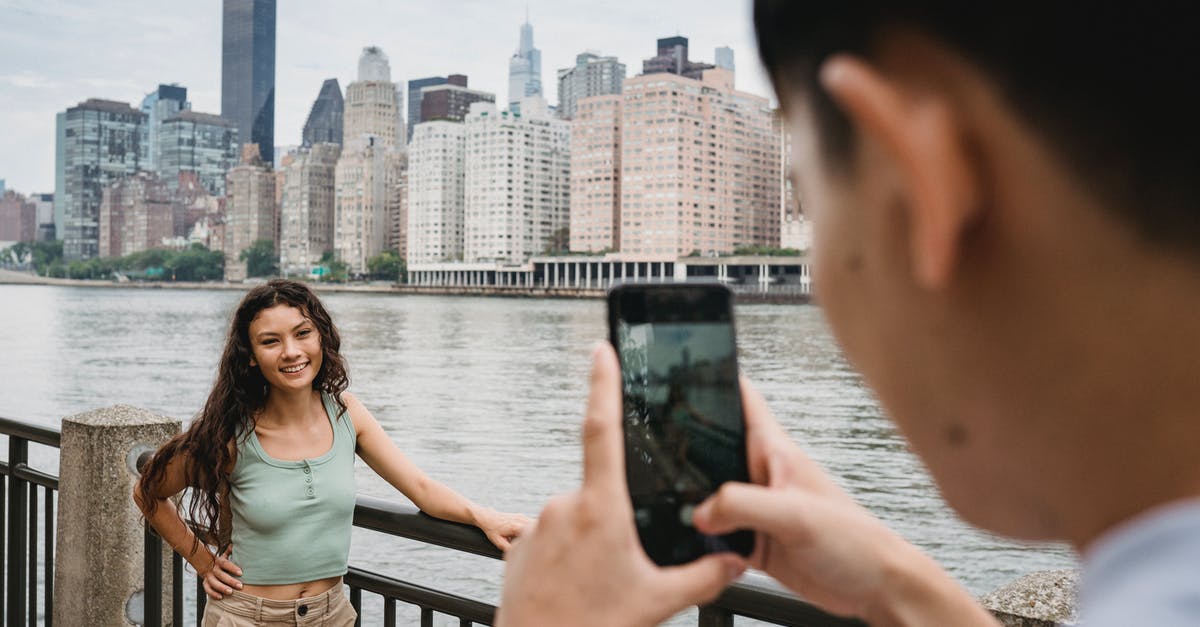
(292,519)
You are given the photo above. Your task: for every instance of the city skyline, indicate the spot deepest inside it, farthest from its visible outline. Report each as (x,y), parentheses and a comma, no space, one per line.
(57,56)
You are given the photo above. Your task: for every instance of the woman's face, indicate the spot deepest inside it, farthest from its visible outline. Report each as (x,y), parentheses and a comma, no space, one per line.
(285,347)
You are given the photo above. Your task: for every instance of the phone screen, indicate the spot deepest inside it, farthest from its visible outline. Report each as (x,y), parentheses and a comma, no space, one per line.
(684,432)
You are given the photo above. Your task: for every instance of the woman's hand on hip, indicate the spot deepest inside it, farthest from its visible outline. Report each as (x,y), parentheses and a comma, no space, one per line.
(222,577)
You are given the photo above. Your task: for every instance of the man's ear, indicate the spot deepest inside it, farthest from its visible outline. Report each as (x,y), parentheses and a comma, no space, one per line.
(920,134)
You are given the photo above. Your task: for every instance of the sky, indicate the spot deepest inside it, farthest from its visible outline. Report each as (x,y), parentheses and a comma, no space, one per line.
(55,54)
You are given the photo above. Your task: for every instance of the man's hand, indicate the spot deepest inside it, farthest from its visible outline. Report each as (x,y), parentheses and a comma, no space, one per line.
(581,563)
(818,542)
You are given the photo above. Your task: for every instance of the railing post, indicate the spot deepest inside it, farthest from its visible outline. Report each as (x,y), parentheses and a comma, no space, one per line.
(18,495)
(153,590)
(712,616)
(100,536)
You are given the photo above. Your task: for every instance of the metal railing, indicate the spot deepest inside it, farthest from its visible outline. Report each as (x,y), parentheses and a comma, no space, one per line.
(19,526)
(19,555)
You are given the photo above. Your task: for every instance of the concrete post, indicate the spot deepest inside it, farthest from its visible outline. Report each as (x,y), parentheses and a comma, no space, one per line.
(98,567)
(1045,598)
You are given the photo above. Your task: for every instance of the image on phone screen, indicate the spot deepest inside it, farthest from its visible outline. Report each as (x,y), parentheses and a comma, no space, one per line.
(684,430)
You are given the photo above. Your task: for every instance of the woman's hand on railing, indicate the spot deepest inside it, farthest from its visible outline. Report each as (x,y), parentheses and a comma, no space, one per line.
(502,528)
(222,577)
(581,563)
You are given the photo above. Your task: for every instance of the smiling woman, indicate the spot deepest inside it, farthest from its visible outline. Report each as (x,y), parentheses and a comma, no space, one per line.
(270,461)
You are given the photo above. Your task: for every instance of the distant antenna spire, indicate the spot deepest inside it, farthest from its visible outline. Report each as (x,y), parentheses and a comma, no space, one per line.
(526,12)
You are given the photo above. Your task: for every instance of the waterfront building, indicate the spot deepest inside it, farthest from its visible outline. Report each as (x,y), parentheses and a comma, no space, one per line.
(324,123)
(159,106)
(100,143)
(414,96)
(373,104)
(595,216)
(2,189)
(795,230)
(360,223)
(672,58)
(202,143)
(436,180)
(517,182)
(395,186)
(593,75)
(700,166)
(524,69)
(60,174)
(18,218)
(136,214)
(248,70)
(307,207)
(724,58)
(44,204)
(450,101)
(250,210)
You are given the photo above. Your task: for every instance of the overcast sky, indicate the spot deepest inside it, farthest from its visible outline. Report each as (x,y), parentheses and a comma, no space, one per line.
(57,53)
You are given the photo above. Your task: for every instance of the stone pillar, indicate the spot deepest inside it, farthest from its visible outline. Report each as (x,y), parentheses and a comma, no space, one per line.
(1045,598)
(98,561)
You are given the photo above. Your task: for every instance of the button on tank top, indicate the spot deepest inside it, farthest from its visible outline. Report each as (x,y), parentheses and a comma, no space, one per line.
(292,519)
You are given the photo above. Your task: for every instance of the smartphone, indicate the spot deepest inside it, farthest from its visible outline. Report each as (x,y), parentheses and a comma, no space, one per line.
(684,430)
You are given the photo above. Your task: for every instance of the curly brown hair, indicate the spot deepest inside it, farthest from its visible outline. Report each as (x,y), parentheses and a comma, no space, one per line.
(209,444)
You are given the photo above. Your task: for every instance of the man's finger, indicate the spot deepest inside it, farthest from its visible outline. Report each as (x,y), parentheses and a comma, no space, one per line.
(603,440)
(745,506)
(758,415)
(699,582)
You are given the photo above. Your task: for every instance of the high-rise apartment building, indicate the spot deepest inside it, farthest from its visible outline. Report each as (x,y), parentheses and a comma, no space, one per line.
(136,214)
(672,58)
(360,223)
(436,187)
(159,105)
(596,175)
(45,216)
(593,75)
(700,166)
(100,144)
(197,142)
(524,70)
(18,218)
(248,71)
(250,213)
(307,206)
(395,190)
(517,181)
(414,95)
(373,103)
(724,58)
(450,101)
(324,123)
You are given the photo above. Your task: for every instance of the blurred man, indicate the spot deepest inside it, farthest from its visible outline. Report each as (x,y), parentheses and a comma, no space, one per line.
(1007,247)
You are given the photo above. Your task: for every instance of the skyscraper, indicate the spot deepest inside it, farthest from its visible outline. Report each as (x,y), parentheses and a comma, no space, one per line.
(159,105)
(136,214)
(672,58)
(724,58)
(450,102)
(306,216)
(414,95)
(435,192)
(373,103)
(596,175)
(517,181)
(197,142)
(324,123)
(250,210)
(593,75)
(100,144)
(524,69)
(248,70)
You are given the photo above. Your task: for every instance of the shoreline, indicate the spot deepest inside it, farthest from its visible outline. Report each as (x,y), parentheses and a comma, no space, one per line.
(10,277)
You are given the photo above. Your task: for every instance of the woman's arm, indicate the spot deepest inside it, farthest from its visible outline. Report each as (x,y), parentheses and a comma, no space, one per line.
(218,573)
(432,497)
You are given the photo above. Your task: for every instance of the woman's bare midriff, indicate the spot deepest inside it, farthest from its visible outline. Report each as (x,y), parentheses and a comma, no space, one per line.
(291,591)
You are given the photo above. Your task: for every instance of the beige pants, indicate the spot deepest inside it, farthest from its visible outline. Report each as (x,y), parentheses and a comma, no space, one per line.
(238,609)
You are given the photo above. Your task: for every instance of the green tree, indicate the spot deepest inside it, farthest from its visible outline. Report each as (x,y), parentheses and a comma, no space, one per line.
(337,270)
(197,263)
(260,259)
(559,242)
(46,255)
(387,265)
(766,251)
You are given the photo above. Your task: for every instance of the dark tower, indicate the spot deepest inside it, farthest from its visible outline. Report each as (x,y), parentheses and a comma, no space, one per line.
(324,124)
(248,70)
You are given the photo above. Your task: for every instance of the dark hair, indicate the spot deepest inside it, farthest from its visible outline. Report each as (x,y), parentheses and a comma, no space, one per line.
(238,394)
(1108,86)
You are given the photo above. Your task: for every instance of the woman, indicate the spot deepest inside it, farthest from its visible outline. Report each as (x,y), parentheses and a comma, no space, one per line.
(270,460)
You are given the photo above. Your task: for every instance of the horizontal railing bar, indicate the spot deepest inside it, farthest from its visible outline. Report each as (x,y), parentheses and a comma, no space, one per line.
(36,477)
(759,598)
(406,521)
(27,431)
(443,602)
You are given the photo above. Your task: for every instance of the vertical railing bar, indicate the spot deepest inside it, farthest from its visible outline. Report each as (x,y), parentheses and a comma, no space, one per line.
(152,579)
(4,481)
(33,532)
(426,616)
(18,454)
(48,567)
(389,612)
(176,588)
(462,622)
(356,603)
(201,601)
(713,616)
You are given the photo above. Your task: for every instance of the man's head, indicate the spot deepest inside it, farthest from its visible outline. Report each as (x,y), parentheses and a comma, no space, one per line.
(996,190)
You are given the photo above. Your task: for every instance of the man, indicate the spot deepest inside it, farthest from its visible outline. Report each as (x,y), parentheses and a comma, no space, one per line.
(1007,246)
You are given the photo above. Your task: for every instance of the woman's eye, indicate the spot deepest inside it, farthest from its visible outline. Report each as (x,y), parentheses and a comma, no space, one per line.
(269,342)
(304,332)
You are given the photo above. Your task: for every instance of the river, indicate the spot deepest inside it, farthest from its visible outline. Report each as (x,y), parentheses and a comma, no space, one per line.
(484,394)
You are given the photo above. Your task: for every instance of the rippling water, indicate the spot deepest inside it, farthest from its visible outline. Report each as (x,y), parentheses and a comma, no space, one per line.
(484,394)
